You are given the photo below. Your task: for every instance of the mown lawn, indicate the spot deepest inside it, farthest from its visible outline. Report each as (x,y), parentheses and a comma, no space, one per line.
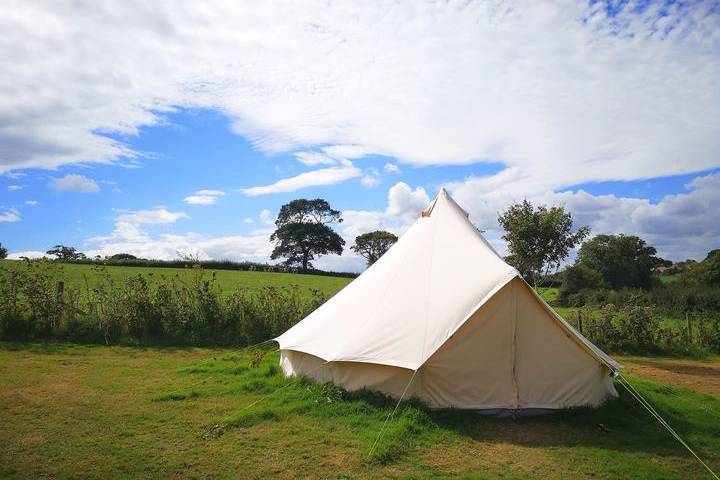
(69,411)
(79,277)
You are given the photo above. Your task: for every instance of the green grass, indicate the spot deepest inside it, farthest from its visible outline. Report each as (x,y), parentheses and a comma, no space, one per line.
(118,412)
(669,278)
(80,276)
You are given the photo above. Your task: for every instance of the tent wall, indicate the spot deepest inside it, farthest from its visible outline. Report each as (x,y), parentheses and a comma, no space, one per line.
(511,354)
(553,368)
(350,375)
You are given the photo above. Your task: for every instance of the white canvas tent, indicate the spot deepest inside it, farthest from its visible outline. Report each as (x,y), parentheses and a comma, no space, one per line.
(443,318)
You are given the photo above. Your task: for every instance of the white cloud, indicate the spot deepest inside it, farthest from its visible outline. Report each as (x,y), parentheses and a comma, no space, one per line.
(15,188)
(558,92)
(200,200)
(75,183)
(391,168)
(266,217)
(312,159)
(247,220)
(232,247)
(204,197)
(15,175)
(323,176)
(370,181)
(9,215)
(27,253)
(211,193)
(31,202)
(130,235)
(404,202)
(157,215)
(129,227)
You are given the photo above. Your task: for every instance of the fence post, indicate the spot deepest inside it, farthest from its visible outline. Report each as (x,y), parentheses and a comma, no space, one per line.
(579,321)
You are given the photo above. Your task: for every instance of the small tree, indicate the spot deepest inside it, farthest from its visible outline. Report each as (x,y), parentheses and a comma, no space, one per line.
(302,232)
(622,260)
(63,253)
(373,245)
(3,252)
(122,256)
(539,239)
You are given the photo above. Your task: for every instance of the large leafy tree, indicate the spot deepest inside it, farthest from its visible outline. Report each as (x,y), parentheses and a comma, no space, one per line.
(3,251)
(539,239)
(303,232)
(373,245)
(63,253)
(622,260)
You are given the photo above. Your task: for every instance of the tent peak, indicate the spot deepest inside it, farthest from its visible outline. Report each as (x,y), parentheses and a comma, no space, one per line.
(443,197)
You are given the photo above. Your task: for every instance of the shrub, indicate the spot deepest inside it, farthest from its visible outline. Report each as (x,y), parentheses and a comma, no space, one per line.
(35,304)
(632,329)
(577,278)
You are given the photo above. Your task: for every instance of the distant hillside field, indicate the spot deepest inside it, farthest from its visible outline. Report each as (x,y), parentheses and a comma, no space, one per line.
(80,276)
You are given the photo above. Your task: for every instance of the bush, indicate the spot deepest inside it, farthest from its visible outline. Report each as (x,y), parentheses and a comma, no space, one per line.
(35,304)
(637,329)
(629,329)
(577,278)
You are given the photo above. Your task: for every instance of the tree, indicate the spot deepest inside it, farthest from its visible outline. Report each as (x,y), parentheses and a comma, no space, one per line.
(303,233)
(373,245)
(3,252)
(706,272)
(122,256)
(622,260)
(63,253)
(539,239)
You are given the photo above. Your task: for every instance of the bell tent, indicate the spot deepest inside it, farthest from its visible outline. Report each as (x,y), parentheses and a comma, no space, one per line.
(443,318)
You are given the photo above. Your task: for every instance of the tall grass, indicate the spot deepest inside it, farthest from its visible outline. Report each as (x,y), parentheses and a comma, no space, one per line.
(36,303)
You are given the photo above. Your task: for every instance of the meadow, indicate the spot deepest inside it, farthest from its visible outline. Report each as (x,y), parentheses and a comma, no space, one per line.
(82,276)
(128,412)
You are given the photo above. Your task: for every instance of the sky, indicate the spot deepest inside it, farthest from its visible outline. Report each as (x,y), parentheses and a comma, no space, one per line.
(171,128)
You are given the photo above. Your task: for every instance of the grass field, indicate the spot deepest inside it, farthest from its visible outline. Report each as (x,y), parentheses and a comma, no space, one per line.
(69,411)
(80,276)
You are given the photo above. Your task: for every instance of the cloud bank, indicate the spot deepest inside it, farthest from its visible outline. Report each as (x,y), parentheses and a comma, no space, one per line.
(600,97)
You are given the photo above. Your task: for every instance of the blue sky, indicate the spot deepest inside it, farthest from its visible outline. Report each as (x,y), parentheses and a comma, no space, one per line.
(191,150)
(150,132)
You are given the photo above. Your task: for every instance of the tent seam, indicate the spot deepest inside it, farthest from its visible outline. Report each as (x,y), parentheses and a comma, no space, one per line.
(514,348)
(427,305)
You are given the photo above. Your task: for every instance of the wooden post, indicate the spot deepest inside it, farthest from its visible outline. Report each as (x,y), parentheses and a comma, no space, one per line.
(579,321)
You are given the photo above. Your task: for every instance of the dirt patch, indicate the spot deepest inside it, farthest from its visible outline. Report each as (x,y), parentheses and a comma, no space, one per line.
(695,375)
